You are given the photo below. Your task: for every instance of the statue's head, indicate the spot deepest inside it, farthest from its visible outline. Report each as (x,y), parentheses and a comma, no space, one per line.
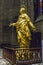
(22,10)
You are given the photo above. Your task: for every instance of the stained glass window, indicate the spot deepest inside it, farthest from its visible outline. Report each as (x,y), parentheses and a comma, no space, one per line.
(38,8)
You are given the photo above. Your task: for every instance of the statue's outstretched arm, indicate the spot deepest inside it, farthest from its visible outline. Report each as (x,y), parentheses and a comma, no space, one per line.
(12,24)
(32,26)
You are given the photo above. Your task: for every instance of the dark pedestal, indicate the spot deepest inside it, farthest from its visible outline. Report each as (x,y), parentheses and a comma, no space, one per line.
(11,55)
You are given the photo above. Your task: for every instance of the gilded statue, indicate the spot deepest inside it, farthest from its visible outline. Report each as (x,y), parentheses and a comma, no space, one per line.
(23,27)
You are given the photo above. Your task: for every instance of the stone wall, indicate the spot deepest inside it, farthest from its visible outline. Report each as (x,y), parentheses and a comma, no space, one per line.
(8,10)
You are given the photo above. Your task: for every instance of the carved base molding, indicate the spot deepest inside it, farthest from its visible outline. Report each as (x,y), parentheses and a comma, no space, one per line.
(23,55)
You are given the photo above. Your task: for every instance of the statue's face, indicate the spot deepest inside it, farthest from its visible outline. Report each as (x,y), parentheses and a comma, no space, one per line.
(22,10)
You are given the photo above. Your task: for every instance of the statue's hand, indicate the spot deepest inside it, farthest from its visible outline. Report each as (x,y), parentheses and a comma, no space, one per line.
(34,29)
(10,24)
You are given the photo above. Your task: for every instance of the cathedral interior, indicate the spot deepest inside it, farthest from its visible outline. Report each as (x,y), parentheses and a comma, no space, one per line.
(9,13)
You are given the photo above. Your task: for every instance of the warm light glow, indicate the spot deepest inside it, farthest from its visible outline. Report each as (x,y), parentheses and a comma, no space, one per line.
(40,4)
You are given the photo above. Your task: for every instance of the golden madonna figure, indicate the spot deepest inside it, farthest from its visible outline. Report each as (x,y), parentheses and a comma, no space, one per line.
(23,26)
